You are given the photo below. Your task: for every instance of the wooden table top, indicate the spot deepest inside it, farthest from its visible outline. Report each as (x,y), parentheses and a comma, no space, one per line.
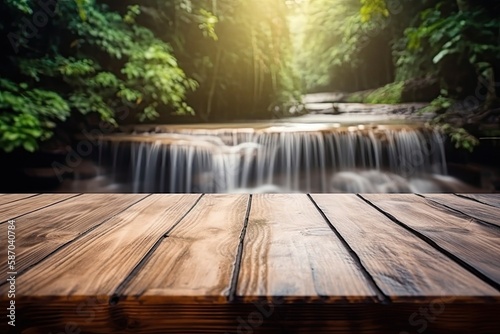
(295,263)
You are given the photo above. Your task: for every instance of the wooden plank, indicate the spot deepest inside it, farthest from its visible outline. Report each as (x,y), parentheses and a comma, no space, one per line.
(196,261)
(7,198)
(402,265)
(40,233)
(19,208)
(490,199)
(290,251)
(290,244)
(477,245)
(467,207)
(97,263)
(94,315)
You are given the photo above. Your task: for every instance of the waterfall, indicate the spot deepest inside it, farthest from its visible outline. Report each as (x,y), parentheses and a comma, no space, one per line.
(287,158)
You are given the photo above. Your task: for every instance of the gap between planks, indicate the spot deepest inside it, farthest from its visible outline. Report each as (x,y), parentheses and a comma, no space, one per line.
(16,197)
(383,299)
(118,293)
(83,234)
(239,254)
(238,259)
(480,198)
(435,245)
(476,216)
(288,254)
(107,254)
(39,208)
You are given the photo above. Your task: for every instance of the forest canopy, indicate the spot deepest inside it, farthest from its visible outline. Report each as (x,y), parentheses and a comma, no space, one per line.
(67,59)
(67,62)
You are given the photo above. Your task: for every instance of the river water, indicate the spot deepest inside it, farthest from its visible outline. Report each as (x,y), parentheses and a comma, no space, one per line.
(321,153)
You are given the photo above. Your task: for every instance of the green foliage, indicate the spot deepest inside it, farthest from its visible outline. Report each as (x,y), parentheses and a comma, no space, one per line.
(97,55)
(459,136)
(389,94)
(98,60)
(438,105)
(228,58)
(31,117)
(443,107)
(338,42)
(372,8)
(328,34)
(471,34)
(452,41)
(132,13)
(56,66)
(161,79)
(241,59)
(207,23)
(24,6)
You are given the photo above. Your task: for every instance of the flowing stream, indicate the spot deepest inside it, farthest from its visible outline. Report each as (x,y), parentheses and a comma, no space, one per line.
(279,158)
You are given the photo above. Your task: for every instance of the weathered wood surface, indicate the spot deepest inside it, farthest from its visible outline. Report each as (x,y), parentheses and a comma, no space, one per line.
(490,199)
(37,238)
(18,208)
(400,263)
(107,254)
(469,208)
(474,245)
(202,253)
(7,198)
(289,252)
(249,264)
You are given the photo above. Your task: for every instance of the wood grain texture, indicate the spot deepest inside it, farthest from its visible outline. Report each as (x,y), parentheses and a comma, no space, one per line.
(95,316)
(290,251)
(196,261)
(476,244)
(404,267)
(7,198)
(97,263)
(40,233)
(490,199)
(172,257)
(470,208)
(24,206)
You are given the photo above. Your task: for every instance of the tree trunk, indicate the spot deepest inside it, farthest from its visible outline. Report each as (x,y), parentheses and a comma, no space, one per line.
(213,85)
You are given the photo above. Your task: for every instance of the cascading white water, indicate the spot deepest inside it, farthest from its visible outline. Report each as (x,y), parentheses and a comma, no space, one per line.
(295,159)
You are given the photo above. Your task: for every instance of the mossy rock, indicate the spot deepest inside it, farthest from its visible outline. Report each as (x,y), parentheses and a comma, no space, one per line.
(420,90)
(389,94)
(416,90)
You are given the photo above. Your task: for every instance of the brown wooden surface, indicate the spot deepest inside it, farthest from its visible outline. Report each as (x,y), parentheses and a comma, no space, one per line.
(197,258)
(37,238)
(291,251)
(107,254)
(248,264)
(490,199)
(7,198)
(469,208)
(21,207)
(401,264)
(477,245)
